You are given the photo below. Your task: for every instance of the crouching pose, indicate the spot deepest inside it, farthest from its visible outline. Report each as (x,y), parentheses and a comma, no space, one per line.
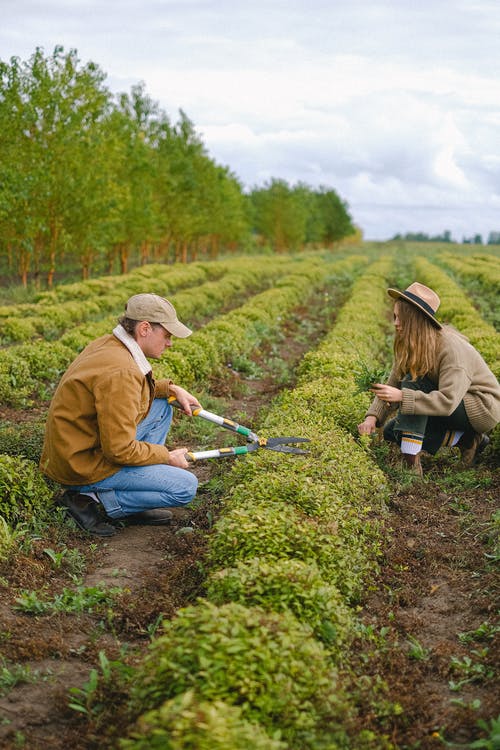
(108,422)
(445,393)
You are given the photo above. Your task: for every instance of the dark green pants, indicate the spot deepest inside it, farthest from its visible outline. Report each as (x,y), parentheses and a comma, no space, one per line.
(432,429)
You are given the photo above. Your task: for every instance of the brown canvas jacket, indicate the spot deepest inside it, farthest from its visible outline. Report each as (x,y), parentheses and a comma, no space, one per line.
(93,417)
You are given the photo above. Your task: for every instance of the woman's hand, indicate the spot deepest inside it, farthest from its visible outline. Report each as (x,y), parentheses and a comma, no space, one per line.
(368,426)
(387,393)
(185,399)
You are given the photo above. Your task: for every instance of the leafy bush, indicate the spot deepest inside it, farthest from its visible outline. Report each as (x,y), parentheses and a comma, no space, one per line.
(23,491)
(268,664)
(188,723)
(24,439)
(286,584)
(270,530)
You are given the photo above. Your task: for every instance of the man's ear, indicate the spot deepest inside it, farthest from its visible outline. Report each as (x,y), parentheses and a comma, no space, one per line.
(142,328)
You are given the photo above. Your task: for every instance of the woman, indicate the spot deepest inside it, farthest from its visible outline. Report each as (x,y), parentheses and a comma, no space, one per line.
(445,393)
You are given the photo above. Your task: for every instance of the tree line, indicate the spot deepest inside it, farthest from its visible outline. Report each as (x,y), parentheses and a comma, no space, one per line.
(94,181)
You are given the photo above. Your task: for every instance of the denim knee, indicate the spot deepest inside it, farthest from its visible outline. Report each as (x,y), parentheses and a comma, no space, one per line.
(187,492)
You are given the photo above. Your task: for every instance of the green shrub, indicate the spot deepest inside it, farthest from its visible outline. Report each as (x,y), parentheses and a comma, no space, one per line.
(287,584)
(268,664)
(270,530)
(188,723)
(23,439)
(23,491)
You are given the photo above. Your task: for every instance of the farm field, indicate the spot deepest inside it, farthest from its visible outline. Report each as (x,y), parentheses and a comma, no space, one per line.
(318,602)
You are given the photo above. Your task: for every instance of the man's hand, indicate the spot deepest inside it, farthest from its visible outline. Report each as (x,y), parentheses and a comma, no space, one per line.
(368,426)
(185,399)
(178,458)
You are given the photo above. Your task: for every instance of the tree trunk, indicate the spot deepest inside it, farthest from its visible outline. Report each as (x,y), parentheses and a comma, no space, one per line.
(214,246)
(54,236)
(145,250)
(184,252)
(111,259)
(124,252)
(24,265)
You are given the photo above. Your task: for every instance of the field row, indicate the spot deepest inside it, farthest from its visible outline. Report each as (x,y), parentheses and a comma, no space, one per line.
(27,370)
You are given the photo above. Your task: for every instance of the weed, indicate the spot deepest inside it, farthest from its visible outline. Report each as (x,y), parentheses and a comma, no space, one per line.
(15,674)
(471,671)
(83,599)
(92,698)
(485,631)
(246,367)
(365,375)
(417,651)
(153,627)
(492,740)
(9,538)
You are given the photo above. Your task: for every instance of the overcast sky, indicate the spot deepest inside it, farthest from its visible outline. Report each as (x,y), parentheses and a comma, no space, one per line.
(393,103)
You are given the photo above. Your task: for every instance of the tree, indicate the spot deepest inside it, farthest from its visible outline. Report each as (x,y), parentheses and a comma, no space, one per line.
(54,107)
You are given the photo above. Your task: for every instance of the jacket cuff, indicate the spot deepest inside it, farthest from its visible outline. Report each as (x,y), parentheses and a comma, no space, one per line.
(377,410)
(162,388)
(408,402)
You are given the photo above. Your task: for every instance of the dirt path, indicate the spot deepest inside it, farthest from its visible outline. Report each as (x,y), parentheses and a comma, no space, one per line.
(436,608)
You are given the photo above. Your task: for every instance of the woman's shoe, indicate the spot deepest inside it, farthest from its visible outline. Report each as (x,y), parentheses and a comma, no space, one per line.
(412,463)
(471,445)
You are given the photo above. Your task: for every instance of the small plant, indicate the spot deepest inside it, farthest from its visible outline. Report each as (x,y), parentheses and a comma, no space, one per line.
(9,538)
(246,367)
(485,631)
(492,740)
(14,674)
(365,376)
(83,599)
(472,671)
(93,696)
(71,559)
(417,651)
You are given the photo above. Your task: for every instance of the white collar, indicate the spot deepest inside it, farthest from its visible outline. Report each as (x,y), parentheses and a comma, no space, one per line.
(134,349)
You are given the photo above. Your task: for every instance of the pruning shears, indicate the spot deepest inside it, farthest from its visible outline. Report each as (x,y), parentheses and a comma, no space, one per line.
(279,444)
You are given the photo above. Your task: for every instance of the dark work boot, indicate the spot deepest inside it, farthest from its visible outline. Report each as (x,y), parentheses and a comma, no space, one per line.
(152,517)
(85,513)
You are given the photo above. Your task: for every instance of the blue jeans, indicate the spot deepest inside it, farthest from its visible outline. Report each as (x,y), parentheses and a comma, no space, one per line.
(136,488)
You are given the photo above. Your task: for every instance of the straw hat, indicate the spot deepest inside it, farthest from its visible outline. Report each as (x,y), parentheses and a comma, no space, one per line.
(422,297)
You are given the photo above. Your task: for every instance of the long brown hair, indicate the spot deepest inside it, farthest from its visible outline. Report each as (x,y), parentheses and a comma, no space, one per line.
(416,346)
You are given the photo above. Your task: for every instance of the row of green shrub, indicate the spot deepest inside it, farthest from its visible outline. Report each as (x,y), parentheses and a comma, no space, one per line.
(288,560)
(35,368)
(51,315)
(244,328)
(480,274)
(482,268)
(358,343)
(271,306)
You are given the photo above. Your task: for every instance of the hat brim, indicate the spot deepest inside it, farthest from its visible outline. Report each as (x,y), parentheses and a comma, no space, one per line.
(401,295)
(176,328)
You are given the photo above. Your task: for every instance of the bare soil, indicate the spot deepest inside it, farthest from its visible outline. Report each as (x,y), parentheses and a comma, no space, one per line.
(435,582)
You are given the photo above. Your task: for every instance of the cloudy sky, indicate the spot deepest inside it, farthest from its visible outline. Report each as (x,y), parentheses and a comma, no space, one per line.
(393,103)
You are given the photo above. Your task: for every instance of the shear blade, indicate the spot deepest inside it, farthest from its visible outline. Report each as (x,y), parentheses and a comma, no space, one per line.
(286,449)
(271,442)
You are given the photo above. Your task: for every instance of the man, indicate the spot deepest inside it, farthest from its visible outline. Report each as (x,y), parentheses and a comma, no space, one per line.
(108,422)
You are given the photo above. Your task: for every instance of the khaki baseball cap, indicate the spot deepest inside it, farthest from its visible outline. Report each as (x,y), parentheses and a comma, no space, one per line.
(155,309)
